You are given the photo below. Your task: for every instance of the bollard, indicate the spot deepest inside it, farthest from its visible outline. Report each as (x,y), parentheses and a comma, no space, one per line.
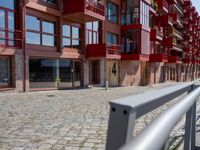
(106,85)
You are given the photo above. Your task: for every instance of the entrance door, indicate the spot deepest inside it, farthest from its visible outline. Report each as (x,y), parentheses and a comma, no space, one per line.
(4,72)
(95,72)
(77,74)
(145,73)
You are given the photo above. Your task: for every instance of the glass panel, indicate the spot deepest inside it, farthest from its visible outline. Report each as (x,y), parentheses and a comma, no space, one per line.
(96,26)
(4,72)
(75,33)
(76,44)
(89,25)
(32,38)
(108,38)
(42,73)
(66,30)
(65,71)
(48,40)
(77,74)
(7,4)
(11,27)
(32,23)
(66,42)
(2,27)
(48,27)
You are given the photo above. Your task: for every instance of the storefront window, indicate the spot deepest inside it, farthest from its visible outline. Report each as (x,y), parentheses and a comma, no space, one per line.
(4,72)
(43,73)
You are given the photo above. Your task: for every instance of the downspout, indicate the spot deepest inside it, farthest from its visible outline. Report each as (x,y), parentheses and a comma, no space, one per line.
(24,42)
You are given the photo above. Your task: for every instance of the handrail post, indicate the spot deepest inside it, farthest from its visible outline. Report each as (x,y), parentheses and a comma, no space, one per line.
(190,127)
(120,129)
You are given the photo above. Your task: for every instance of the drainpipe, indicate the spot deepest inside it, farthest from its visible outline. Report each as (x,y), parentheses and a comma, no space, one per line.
(24,42)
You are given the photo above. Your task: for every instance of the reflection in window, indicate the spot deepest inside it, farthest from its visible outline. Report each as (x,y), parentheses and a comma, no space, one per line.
(10,4)
(34,33)
(71,37)
(112,11)
(130,41)
(4,71)
(92,32)
(111,38)
(49,1)
(2,26)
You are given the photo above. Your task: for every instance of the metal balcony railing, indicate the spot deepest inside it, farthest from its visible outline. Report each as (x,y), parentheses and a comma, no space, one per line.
(113,49)
(165,4)
(11,38)
(125,111)
(96,7)
(177,32)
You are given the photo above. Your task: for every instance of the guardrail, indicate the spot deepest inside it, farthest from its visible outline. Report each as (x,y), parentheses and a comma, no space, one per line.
(125,111)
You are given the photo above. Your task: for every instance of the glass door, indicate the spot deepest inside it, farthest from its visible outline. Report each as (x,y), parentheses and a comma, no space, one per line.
(77,74)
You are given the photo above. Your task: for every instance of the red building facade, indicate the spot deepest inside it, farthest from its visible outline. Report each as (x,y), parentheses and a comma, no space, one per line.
(48,44)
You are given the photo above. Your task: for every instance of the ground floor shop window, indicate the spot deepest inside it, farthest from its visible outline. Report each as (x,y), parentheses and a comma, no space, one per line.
(4,71)
(54,73)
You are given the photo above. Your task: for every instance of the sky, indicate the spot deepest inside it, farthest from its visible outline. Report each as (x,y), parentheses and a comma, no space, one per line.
(196,3)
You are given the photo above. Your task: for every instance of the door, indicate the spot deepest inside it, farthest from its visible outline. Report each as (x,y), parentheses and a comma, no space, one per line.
(112,72)
(77,74)
(145,73)
(95,72)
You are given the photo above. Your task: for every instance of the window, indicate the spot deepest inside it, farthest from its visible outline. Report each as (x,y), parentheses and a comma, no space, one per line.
(49,1)
(129,12)
(7,21)
(112,11)
(111,38)
(92,32)
(35,34)
(130,41)
(144,14)
(4,71)
(10,4)
(71,37)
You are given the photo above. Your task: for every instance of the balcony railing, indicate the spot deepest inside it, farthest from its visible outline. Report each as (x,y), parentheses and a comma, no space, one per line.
(175,31)
(165,4)
(96,7)
(113,49)
(11,38)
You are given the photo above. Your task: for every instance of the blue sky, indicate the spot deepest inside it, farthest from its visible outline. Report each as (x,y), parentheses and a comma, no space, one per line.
(196,3)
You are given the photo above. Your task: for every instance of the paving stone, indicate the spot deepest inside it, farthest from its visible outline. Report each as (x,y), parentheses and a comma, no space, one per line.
(70,120)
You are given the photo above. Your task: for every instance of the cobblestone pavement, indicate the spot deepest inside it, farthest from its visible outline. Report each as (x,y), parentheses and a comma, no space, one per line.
(56,120)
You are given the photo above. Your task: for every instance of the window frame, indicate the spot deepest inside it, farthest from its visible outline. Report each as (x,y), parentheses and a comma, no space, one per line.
(114,14)
(41,33)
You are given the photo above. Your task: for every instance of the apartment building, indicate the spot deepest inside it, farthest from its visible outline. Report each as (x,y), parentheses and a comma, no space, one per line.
(48,44)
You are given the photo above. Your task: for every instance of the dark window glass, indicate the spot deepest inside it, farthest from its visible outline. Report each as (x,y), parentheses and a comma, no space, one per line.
(4,71)
(7,4)
(66,67)
(111,38)
(49,1)
(112,11)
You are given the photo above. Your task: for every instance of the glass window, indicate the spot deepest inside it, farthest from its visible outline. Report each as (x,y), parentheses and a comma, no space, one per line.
(71,37)
(111,38)
(4,71)
(92,33)
(48,27)
(112,11)
(7,4)
(32,38)
(11,27)
(66,30)
(32,23)
(2,25)
(48,40)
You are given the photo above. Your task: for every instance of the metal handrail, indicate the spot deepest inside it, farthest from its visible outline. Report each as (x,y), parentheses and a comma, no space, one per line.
(124,112)
(163,125)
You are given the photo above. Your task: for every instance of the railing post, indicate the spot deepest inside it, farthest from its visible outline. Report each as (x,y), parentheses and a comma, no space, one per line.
(190,127)
(120,128)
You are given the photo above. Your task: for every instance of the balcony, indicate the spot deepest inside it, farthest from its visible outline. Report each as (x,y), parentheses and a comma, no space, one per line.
(188,27)
(188,15)
(177,20)
(109,51)
(156,34)
(166,20)
(174,59)
(187,49)
(163,5)
(158,58)
(11,38)
(136,57)
(177,33)
(169,42)
(187,60)
(84,10)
